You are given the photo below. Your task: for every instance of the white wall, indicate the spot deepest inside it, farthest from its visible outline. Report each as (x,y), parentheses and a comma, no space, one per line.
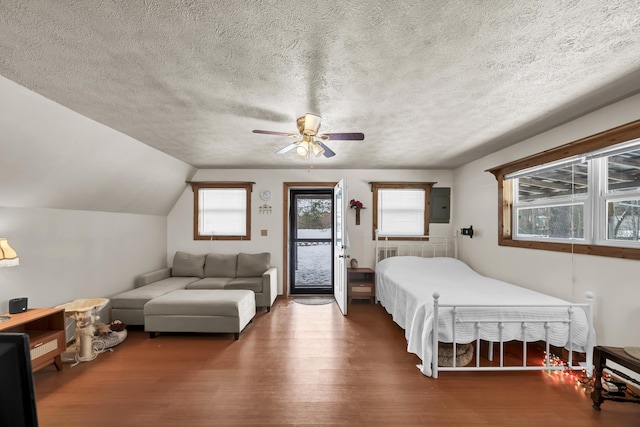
(614,281)
(67,254)
(83,205)
(180,220)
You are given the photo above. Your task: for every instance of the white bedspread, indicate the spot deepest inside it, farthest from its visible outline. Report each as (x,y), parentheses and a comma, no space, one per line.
(405,287)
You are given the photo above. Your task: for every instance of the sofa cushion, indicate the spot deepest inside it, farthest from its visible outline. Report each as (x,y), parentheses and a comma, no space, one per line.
(254,284)
(220,265)
(187,265)
(138,297)
(253,265)
(151,277)
(210,283)
(201,303)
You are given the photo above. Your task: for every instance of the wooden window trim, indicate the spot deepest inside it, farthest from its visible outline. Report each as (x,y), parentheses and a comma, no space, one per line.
(197,185)
(426,186)
(617,135)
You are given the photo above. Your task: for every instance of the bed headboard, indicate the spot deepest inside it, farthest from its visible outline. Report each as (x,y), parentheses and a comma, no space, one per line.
(422,246)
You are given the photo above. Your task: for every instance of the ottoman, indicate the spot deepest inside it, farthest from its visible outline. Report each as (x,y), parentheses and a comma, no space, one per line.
(200,310)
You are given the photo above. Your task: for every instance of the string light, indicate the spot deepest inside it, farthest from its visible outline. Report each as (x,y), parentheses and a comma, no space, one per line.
(580,378)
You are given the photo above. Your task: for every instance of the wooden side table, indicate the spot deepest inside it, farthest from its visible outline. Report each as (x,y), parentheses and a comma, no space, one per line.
(615,354)
(361,284)
(46,330)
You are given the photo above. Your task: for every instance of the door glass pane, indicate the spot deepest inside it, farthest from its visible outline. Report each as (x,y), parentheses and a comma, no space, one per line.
(623,220)
(562,222)
(313,265)
(313,217)
(313,250)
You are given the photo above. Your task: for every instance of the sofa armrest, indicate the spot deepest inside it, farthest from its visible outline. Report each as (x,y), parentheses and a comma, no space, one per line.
(270,284)
(152,276)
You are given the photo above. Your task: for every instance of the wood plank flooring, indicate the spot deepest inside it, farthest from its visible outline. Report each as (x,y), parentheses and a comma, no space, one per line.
(302,365)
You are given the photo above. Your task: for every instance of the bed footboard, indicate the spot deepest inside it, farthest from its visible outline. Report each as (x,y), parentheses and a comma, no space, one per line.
(587,366)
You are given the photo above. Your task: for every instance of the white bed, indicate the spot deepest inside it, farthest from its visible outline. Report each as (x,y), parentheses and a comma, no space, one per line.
(417,290)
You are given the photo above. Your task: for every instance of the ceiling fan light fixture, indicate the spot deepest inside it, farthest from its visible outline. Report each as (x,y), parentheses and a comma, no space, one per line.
(311,124)
(308,126)
(317,149)
(303,148)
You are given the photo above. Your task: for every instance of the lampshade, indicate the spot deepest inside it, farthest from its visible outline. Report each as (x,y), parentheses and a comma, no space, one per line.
(317,149)
(311,124)
(8,257)
(303,148)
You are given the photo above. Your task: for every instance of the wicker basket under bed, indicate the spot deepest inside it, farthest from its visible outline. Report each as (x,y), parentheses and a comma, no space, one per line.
(445,354)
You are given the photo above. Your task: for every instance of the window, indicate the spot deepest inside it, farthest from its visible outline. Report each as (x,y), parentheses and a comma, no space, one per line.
(621,201)
(582,197)
(222,210)
(401,208)
(550,202)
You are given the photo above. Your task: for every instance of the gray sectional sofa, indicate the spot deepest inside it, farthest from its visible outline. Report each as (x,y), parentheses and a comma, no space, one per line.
(199,271)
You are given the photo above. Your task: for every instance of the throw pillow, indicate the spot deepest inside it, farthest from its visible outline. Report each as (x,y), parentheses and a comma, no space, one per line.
(253,265)
(220,265)
(187,265)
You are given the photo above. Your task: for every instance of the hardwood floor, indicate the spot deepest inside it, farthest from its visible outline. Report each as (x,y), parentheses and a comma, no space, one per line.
(302,365)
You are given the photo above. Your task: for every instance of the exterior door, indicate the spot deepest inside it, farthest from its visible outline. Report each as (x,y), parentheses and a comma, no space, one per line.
(340,243)
(311,241)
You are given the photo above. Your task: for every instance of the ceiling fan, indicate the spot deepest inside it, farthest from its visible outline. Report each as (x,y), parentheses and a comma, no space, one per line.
(311,141)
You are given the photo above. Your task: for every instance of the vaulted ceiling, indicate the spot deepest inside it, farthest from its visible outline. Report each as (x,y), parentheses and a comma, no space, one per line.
(431,84)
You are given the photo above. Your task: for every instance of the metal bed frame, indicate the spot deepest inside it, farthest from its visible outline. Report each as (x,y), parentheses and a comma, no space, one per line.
(431,246)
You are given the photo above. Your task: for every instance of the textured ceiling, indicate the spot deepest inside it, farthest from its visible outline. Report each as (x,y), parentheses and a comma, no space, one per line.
(432,84)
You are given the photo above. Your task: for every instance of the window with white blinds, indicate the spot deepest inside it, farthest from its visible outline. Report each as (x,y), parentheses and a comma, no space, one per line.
(401,212)
(401,209)
(222,211)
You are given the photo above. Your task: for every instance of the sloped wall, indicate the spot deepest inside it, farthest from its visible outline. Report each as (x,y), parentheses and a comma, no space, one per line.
(83,205)
(614,281)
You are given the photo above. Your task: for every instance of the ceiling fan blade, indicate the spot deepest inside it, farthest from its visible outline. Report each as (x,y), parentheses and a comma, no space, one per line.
(268,132)
(353,136)
(287,148)
(328,152)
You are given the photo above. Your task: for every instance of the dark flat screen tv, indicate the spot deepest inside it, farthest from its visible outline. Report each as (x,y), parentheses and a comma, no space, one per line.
(17,394)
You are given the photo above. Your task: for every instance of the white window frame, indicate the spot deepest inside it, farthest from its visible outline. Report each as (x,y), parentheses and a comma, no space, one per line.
(601,143)
(595,201)
(605,196)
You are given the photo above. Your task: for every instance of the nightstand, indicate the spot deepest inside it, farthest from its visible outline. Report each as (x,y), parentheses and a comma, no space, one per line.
(361,284)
